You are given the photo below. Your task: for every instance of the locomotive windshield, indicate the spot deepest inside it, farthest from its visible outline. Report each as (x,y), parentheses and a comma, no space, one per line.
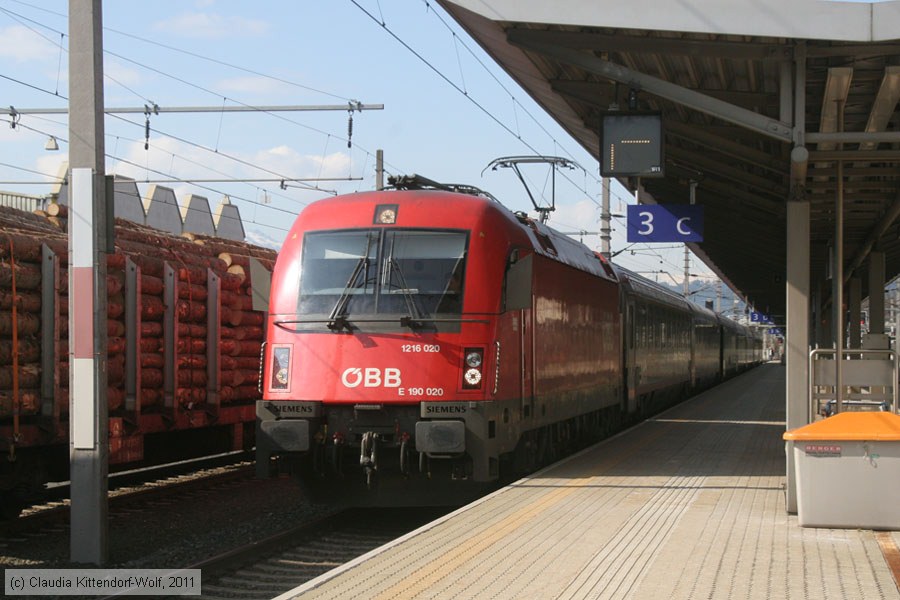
(381,272)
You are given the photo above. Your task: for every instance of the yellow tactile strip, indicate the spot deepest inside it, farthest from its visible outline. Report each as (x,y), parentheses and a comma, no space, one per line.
(687,506)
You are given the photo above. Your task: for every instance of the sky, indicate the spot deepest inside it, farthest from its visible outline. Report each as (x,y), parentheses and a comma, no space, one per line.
(448,110)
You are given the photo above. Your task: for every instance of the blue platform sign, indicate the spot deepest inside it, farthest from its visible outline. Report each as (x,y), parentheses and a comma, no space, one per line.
(665,223)
(758,317)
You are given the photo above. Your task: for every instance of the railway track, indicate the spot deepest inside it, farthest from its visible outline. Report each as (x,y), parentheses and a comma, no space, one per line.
(125,482)
(272,566)
(137,491)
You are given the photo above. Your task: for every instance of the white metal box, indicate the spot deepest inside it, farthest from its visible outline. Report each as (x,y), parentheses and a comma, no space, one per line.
(848,471)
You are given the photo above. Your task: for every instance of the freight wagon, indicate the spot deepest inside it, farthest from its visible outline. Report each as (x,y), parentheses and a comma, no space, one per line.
(182,358)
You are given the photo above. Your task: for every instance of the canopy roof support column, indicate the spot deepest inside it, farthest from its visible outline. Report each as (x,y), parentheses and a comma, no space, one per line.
(798,305)
(797,340)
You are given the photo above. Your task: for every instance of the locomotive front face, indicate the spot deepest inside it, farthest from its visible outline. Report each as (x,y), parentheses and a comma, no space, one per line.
(377,319)
(368,344)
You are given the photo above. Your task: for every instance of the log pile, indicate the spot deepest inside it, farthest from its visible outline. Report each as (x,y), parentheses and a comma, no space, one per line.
(189,258)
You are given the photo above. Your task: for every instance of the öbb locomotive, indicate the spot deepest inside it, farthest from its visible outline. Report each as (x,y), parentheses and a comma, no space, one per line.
(425,343)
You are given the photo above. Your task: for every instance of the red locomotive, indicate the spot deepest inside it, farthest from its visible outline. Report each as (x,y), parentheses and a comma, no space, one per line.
(424,342)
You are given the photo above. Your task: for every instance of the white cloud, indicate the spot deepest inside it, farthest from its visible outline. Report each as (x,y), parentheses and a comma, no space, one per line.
(23,45)
(211,26)
(286,160)
(138,163)
(52,164)
(192,162)
(168,158)
(260,238)
(272,214)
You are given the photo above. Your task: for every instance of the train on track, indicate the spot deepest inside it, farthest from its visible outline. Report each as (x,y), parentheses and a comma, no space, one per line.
(425,343)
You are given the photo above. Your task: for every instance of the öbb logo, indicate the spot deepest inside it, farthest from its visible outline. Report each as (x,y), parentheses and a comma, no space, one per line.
(371,377)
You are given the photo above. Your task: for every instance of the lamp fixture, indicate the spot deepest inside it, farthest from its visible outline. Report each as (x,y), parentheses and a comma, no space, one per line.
(51,144)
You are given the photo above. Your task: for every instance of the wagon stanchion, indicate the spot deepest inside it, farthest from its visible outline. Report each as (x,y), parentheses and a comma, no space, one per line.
(170,351)
(50,351)
(133,364)
(15,354)
(213,347)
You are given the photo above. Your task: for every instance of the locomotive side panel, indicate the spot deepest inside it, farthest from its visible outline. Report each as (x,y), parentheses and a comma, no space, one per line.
(577,337)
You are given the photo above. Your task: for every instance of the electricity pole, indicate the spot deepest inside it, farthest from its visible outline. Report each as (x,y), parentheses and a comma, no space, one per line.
(89,411)
(605,228)
(687,251)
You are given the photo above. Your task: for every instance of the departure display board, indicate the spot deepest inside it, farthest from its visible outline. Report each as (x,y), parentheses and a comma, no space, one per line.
(632,145)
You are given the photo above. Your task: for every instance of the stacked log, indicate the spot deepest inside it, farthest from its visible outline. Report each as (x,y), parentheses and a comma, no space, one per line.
(241,328)
(20,317)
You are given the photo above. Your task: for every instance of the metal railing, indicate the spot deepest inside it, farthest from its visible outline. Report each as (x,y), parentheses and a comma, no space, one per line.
(869,381)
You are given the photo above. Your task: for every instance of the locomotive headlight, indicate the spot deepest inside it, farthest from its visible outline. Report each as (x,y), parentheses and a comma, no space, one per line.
(385,214)
(473,360)
(281,368)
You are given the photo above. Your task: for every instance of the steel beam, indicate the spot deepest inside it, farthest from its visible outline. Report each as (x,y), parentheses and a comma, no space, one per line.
(651,45)
(869,139)
(891,156)
(761,124)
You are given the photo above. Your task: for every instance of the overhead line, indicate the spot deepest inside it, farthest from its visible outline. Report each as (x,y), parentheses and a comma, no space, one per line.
(156,109)
(212,151)
(183,81)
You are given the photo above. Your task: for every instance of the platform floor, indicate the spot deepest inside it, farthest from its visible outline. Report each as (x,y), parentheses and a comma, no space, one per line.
(687,505)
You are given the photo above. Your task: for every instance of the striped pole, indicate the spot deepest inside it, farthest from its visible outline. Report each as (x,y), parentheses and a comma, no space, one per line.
(88,411)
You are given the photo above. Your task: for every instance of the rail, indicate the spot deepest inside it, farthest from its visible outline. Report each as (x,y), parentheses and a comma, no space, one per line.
(869,381)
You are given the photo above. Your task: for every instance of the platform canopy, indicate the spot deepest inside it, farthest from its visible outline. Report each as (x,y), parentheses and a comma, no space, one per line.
(740,86)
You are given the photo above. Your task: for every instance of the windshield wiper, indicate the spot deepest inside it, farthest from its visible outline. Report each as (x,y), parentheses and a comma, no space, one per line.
(337,319)
(413,319)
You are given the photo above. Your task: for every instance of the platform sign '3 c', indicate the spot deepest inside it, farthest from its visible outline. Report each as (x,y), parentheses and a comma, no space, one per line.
(665,223)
